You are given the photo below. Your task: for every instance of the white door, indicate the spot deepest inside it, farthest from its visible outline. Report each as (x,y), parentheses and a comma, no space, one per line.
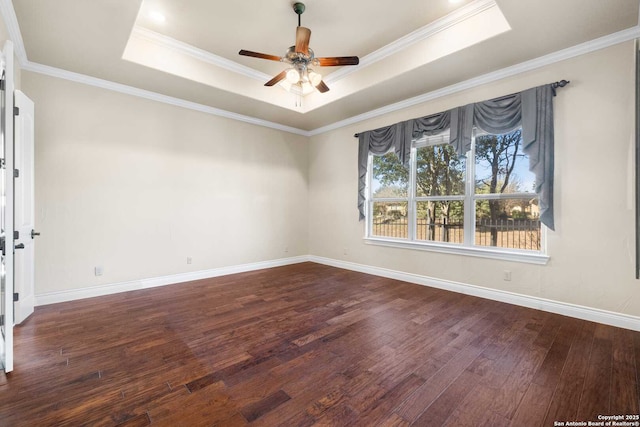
(24,207)
(6,209)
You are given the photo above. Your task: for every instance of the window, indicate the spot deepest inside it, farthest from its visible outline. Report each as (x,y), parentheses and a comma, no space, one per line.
(484,202)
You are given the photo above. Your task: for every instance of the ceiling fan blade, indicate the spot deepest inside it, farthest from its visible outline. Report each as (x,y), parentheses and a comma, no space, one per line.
(322,87)
(336,61)
(277,79)
(303,35)
(259,55)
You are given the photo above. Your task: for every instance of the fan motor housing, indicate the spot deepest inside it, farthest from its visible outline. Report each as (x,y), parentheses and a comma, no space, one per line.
(298,8)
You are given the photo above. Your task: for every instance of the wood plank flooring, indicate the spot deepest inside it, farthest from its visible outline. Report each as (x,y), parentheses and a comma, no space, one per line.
(312,345)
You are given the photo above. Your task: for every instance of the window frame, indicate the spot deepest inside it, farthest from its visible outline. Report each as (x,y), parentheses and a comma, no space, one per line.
(469,198)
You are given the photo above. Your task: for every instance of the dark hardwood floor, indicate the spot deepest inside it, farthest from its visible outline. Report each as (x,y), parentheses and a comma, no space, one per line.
(309,344)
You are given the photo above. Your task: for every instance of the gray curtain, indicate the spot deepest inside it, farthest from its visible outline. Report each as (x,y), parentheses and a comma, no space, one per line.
(398,136)
(379,142)
(532,109)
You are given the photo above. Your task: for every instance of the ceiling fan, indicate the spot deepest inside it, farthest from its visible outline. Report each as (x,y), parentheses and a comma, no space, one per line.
(300,56)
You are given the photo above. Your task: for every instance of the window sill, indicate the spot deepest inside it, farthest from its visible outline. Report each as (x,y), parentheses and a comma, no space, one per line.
(481,252)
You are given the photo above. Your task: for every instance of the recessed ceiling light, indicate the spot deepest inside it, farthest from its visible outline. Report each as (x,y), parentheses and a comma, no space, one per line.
(157,17)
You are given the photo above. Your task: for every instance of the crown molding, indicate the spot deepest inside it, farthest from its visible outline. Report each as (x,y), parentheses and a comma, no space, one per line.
(581,49)
(154,96)
(552,58)
(200,54)
(416,36)
(13,28)
(8,14)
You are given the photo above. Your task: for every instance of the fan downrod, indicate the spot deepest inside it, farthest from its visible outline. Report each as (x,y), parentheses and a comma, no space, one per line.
(298,8)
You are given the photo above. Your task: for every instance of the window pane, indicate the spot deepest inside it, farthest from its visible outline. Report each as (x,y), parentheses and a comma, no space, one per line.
(508,223)
(389,178)
(502,166)
(390,219)
(440,221)
(439,171)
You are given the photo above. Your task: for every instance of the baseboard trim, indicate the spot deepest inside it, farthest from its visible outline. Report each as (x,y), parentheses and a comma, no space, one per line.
(114,288)
(572,310)
(22,310)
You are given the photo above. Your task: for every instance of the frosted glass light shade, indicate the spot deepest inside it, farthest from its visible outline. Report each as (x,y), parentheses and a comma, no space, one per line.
(293,76)
(314,78)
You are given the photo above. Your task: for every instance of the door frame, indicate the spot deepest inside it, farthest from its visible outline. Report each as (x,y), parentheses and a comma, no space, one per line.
(8,171)
(23,207)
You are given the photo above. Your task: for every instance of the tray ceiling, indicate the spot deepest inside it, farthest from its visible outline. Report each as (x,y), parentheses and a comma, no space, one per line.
(405,51)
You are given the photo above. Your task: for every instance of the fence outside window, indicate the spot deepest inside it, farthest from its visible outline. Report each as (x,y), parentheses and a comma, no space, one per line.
(503,233)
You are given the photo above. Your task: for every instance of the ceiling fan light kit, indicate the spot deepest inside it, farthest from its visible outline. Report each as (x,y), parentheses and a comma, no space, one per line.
(299,78)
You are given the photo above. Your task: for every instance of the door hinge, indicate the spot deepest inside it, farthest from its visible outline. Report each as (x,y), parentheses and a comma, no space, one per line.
(16,173)
(1,319)
(16,297)
(2,84)
(16,111)
(16,235)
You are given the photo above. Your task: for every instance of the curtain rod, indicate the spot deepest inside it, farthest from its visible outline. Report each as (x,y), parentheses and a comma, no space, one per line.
(554,86)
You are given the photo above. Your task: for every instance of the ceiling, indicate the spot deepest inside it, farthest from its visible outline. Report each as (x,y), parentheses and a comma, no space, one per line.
(405,51)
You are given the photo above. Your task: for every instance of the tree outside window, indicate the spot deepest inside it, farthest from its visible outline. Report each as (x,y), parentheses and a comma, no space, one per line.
(429,200)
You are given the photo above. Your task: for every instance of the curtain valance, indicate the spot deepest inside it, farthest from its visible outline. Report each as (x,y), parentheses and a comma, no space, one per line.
(531,109)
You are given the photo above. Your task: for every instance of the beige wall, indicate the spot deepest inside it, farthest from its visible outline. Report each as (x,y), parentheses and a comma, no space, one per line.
(137,186)
(592,250)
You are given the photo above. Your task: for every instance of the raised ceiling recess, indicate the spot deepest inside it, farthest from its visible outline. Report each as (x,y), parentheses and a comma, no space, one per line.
(188,50)
(300,78)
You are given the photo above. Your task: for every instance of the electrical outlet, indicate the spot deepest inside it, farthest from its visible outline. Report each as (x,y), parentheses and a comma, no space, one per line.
(98,270)
(345,251)
(286,249)
(189,260)
(506,275)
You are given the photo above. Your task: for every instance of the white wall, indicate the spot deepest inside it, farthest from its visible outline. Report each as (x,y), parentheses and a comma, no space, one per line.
(592,250)
(137,186)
